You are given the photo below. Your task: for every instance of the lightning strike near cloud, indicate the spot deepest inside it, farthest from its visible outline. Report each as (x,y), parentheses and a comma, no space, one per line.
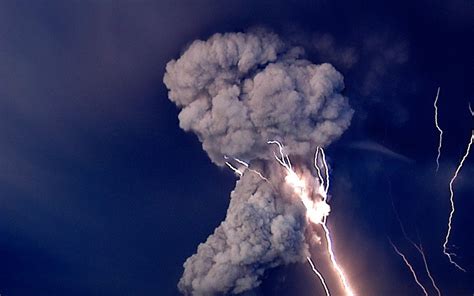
(236,170)
(435,104)
(323,190)
(246,166)
(410,267)
(451,199)
(241,162)
(315,211)
(321,278)
(324,182)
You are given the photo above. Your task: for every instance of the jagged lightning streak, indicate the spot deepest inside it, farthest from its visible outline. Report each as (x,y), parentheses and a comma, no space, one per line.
(435,104)
(451,199)
(236,170)
(245,164)
(428,272)
(336,266)
(321,278)
(247,167)
(324,187)
(418,248)
(409,266)
(315,211)
(324,182)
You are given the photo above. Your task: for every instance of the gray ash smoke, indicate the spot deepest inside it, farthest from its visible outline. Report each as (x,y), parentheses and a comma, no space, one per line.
(236,91)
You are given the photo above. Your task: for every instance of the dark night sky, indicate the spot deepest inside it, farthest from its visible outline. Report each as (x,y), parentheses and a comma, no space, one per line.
(101,193)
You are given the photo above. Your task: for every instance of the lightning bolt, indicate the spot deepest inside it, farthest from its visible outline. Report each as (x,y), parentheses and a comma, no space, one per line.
(321,278)
(241,162)
(428,272)
(247,167)
(325,188)
(435,104)
(336,266)
(470,110)
(409,267)
(245,164)
(315,211)
(419,248)
(451,199)
(324,182)
(236,170)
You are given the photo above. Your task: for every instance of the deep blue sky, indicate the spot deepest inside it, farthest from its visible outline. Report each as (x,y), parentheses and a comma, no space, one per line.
(101,193)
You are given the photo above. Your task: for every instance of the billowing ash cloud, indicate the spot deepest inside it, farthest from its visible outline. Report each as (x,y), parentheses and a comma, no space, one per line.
(261,230)
(237,91)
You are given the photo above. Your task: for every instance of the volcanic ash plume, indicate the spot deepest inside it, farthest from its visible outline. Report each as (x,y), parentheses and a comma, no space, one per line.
(260,231)
(237,91)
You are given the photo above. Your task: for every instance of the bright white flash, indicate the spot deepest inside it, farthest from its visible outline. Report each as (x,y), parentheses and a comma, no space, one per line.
(316,211)
(409,267)
(451,198)
(435,104)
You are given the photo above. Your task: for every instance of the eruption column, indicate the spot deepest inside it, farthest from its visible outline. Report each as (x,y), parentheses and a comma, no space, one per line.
(235,91)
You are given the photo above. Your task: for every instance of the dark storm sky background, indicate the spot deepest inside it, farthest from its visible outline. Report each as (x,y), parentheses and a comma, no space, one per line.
(101,193)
